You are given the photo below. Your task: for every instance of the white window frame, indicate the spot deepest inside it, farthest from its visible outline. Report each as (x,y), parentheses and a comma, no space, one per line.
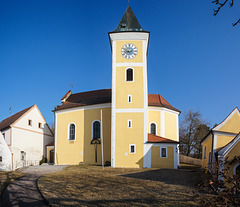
(134,145)
(126,75)
(129,96)
(161,152)
(69,132)
(150,127)
(100,128)
(129,123)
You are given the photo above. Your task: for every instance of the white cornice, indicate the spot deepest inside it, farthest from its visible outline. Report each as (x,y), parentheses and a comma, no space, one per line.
(80,108)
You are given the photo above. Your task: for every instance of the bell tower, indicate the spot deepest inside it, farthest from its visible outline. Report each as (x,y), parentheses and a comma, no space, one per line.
(129,43)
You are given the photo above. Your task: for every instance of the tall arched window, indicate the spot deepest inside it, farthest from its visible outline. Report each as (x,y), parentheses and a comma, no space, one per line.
(72,132)
(96,129)
(153,128)
(129,74)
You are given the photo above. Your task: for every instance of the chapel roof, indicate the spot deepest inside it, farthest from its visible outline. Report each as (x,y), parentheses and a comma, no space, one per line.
(129,23)
(105,96)
(158,139)
(4,124)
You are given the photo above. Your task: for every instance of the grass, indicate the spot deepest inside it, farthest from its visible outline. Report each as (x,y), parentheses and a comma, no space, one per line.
(94,186)
(8,176)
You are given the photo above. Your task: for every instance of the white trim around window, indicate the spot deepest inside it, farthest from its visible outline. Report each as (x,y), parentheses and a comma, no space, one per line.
(132,148)
(126,74)
(161,152)
(155,127)
(68,135)
(129,123)
(92,127)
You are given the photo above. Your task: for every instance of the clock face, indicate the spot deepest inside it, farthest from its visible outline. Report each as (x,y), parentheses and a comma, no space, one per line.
(129,51)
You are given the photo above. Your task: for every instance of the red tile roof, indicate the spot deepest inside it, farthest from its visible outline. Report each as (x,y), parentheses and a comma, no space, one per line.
(105,96)
(4,124)
(157,139)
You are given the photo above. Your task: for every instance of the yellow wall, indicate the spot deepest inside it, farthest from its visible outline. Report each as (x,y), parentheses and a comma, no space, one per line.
(154,116)
(170,126)
(121,43)
(126,136)
(233,124)
(49,148)
(135,88)
(208,144)
(230,156)
(222,140)
(80,150)
(158,162)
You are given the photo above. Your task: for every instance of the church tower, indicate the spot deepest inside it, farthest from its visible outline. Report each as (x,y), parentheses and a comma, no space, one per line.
(129,43)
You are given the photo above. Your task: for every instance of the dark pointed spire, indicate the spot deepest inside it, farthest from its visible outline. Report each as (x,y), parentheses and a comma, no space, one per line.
(129,23)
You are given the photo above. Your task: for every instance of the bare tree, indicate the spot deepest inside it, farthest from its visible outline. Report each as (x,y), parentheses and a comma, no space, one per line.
(192,130)
(221,4)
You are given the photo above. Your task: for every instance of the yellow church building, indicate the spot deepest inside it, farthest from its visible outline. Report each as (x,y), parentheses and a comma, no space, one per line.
(222,144)
(123,126)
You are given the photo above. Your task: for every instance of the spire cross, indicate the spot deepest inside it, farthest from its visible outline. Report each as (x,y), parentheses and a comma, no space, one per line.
(128,2)
(71,85)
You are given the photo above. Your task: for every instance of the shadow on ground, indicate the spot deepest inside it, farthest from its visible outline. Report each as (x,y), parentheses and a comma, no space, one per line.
(190,178)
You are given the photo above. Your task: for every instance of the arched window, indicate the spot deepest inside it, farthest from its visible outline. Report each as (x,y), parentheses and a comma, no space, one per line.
(153,128)
(72,132)
(96,130)
(129,74)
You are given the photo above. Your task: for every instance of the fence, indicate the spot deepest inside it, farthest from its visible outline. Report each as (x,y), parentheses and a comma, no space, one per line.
(190,160)
(21,164)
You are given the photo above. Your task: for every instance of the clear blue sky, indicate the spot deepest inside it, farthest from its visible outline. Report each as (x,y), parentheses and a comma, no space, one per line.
(193,57)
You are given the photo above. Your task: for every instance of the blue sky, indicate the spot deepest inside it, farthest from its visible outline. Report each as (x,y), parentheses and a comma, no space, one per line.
(193,57)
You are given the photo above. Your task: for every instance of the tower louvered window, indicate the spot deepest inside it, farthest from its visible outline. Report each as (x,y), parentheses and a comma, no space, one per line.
(129,74)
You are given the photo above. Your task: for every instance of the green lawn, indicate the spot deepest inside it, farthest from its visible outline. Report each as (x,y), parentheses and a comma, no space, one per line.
(92,186)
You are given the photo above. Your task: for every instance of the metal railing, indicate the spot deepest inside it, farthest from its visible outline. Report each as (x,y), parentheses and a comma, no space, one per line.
(26,163)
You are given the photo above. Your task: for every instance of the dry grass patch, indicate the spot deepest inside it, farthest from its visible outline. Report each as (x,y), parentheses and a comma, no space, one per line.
(94,186)
(8,176)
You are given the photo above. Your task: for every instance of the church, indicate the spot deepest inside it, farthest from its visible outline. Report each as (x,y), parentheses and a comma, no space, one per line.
(123,126)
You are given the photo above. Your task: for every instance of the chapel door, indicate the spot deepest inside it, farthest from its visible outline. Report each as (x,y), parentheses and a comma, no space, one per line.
(51,156)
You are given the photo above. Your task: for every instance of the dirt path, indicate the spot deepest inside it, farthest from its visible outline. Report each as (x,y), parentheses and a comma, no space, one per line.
(24,192)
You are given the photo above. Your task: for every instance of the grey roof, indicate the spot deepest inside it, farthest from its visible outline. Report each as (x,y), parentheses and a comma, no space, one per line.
(129,23)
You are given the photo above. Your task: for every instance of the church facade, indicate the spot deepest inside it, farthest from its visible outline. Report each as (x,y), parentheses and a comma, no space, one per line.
(123,126)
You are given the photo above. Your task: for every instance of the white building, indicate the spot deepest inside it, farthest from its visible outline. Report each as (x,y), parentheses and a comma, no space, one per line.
(26,135)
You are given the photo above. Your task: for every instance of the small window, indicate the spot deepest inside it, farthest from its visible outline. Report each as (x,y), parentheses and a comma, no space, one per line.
(209,157)
(23,155)
(163,152)
(205,151)
(72,132)
(132,148)
(153,128)
(3,135)
(96,130)
(39,125)
(129,98)
(0,158)
(129,123)
(29,122)
(129,74)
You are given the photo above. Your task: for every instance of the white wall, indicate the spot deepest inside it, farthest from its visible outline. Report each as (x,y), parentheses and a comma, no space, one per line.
(6,155)
(30,139)
(7,135)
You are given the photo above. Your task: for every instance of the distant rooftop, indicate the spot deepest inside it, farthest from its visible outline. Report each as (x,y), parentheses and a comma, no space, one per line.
(129,23)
